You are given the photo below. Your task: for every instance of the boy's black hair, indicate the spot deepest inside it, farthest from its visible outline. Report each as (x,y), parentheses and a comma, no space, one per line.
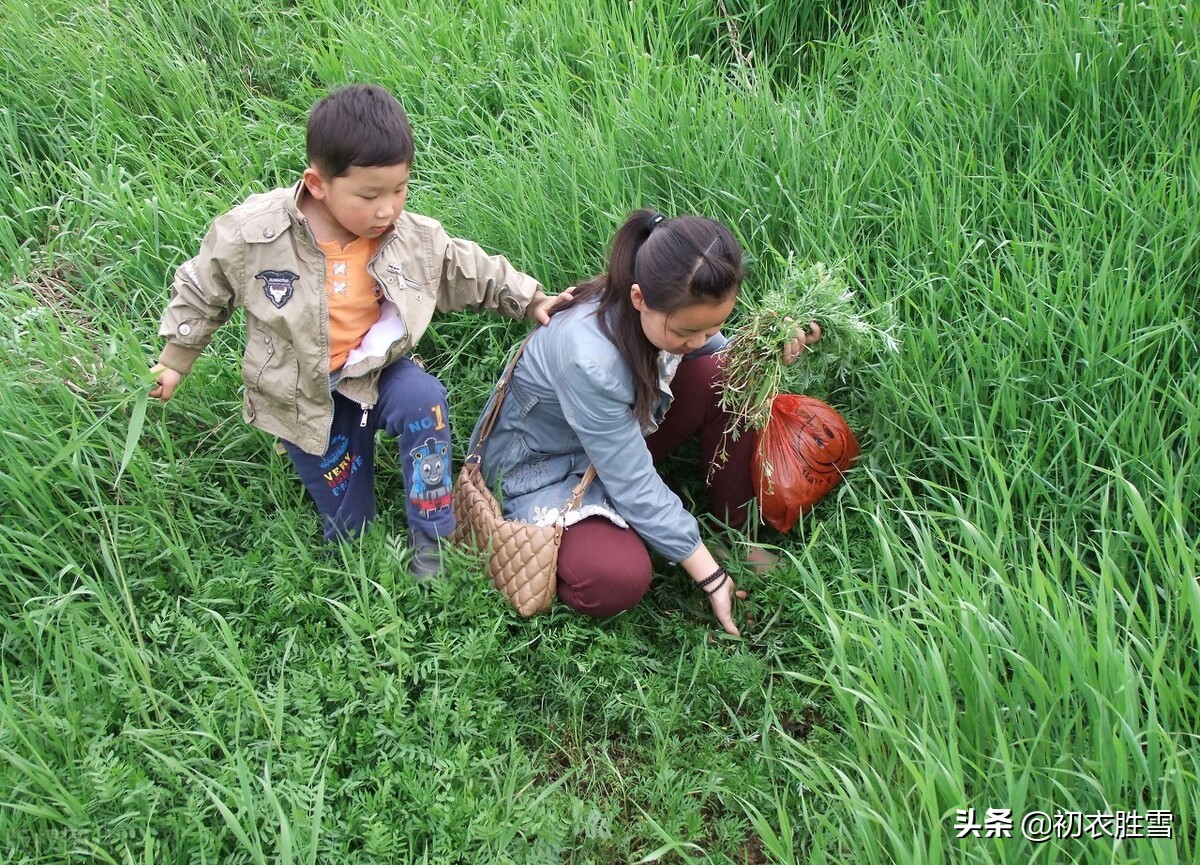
(362,125)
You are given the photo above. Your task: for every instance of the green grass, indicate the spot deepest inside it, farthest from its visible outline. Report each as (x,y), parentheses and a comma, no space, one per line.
(999,609)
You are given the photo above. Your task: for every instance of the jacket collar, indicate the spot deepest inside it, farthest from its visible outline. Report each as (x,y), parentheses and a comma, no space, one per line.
(292,205)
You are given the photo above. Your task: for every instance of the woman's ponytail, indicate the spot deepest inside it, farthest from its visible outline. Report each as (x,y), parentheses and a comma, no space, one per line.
(676,263)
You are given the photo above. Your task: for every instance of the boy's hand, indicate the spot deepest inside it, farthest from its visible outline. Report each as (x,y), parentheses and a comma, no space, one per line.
(541,307)
(167,380)
(800,341)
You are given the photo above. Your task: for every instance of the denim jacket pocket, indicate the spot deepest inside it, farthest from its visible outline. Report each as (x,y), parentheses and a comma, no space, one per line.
(525,401)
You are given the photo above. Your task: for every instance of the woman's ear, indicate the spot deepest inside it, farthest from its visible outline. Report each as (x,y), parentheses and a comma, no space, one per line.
(637,298)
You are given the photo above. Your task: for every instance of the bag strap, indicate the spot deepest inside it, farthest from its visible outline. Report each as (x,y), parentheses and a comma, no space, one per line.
(577,493)
(501,392)
(494,414)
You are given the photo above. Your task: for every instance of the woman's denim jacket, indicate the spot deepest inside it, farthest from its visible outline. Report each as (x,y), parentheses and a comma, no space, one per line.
(570,403)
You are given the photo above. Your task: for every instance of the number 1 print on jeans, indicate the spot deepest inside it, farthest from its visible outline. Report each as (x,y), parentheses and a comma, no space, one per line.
(412,407)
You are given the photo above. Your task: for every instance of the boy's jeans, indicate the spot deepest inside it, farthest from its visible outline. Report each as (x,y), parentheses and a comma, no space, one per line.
(412,408)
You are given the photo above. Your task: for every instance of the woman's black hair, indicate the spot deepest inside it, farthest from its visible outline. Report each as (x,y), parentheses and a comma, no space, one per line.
(676,263)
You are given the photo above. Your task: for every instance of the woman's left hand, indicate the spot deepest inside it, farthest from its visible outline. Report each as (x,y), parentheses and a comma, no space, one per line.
(800,341)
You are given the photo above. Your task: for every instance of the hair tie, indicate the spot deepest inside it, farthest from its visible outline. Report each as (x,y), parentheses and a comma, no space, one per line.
(654,221)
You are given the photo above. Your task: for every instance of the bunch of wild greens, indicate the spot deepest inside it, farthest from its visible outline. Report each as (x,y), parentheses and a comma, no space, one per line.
(851,337)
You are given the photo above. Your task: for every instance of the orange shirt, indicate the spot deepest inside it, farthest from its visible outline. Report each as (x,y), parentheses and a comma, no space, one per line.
(354,297)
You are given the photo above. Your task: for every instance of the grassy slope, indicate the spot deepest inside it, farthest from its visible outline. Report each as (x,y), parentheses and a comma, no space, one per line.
(1000,610)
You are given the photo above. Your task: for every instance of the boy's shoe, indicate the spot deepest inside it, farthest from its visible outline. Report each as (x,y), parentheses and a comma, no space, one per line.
(759,559)
(732,553)
(426,558)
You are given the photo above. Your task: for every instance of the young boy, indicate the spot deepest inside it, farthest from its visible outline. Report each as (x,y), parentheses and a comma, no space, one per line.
(339,283)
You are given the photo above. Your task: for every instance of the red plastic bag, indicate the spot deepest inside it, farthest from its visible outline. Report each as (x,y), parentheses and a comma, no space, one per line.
(799,458)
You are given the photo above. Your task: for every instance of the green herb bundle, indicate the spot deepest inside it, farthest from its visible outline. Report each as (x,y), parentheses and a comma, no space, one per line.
(850,337)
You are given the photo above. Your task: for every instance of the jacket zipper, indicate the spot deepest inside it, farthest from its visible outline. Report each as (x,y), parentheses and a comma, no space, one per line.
(325,330)
(366,409)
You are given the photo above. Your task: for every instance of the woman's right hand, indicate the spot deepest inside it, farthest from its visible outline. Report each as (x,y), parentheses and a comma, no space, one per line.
(722,605)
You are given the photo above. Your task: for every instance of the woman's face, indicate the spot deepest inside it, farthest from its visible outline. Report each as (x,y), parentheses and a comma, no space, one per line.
(686,329)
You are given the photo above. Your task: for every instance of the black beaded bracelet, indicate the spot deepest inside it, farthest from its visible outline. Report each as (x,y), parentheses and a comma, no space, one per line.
(719,576)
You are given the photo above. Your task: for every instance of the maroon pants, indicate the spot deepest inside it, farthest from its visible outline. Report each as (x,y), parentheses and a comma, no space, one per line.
(604,569)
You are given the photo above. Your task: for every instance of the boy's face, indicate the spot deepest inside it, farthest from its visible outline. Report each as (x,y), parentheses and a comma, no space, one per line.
(364,201)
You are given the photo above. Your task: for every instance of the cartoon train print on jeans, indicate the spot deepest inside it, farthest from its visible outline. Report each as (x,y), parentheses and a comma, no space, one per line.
(431,476)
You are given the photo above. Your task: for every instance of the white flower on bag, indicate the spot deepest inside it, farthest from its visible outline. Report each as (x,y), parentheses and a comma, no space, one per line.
(546,516)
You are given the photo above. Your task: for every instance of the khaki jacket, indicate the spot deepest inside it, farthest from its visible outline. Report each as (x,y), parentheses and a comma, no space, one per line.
(261,256)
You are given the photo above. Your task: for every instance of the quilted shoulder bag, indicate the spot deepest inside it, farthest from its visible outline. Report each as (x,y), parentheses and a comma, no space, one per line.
(522,558)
